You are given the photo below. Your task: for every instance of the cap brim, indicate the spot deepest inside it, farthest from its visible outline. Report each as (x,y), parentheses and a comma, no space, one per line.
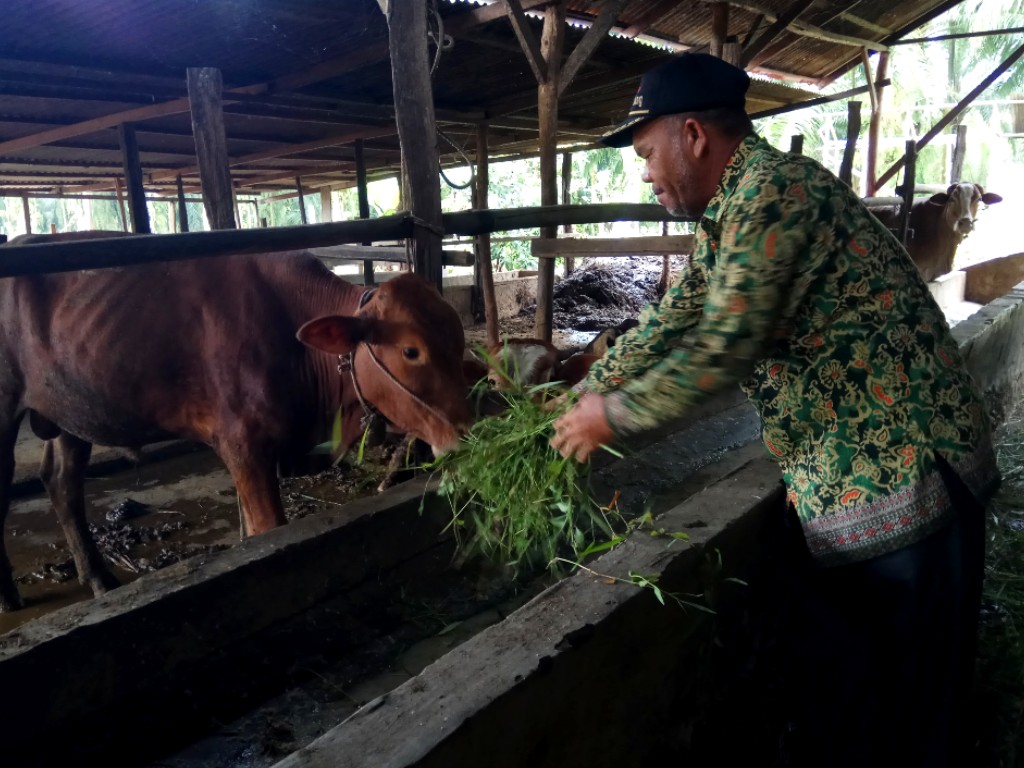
(622,134)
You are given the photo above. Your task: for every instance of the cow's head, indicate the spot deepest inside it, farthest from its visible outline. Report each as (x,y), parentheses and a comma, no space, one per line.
(960,203)
(407,345)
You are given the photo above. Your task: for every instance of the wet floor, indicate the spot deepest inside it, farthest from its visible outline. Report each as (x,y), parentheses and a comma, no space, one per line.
(178,507)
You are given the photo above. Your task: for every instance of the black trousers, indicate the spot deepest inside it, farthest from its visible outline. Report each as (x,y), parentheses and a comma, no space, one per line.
(882,655)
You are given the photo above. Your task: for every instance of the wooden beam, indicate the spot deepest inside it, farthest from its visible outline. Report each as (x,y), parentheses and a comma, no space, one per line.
(119,188)
(326,205)
(612,246)
(958,36)
(133,177)
(388,253)
(363,199)
(417,131)
(140,249)
(879,84)
(868,78)
(470,19)
(756,25)
(649,17)
(27,213)
(566,177)
(802,28)
(285,150)
(719,28)
(852,132)
(143,249)
(952,114)
(591,40)
(874,127)
(484,271)
(204,89)
(779,26)
(322,71)
(959,150)
(182,210)
(907,193)
(93,125)
(547,105)
(527,40)
(301,200)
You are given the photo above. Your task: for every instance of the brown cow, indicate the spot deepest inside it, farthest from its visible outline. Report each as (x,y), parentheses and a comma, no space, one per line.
(207,350)
(940,224)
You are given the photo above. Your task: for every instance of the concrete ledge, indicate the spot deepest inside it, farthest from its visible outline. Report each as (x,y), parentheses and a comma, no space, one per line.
(989,280)
(588,673)
(992,344)
(95,656)
(537,688)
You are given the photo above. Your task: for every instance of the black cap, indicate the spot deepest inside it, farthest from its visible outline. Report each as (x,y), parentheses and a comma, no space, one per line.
(691,82)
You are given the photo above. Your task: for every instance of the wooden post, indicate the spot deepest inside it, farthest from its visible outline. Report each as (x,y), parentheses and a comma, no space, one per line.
(417,131)
(874,126)
(719,28)
(907,190)
(363,194)
(483,267)
(182,210)
(732,51)
(570,262)
(204,92)
(133,178)
(796,144)
(302,203)
(852,132)
(27,212)
(547,97)
(959,150)
(119,189)
(326,205)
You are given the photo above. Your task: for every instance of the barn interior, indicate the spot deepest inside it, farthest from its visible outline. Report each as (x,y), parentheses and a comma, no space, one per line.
(96,101)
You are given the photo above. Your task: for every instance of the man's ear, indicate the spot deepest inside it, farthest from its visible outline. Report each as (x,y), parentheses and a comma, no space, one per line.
(695,137)
(337,334)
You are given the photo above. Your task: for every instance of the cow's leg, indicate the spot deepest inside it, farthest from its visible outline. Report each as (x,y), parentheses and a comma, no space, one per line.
(63,473)
(259,493)
(10,600)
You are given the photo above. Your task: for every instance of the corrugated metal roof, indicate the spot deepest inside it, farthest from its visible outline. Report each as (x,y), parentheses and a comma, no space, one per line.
(68,61)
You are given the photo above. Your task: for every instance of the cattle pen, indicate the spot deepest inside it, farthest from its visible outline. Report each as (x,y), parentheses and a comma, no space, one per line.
(278,621)
(274,626)
(357,635)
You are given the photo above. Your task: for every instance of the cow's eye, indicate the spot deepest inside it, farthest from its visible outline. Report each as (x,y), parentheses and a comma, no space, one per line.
(411,353)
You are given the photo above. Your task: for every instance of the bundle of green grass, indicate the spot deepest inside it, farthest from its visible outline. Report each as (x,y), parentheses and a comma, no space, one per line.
(514,499)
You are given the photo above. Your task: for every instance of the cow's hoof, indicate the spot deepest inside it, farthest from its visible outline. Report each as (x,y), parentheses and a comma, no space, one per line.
(101,583)
(10,600)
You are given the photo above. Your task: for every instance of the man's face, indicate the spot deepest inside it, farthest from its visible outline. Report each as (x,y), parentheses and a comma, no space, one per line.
(672,148)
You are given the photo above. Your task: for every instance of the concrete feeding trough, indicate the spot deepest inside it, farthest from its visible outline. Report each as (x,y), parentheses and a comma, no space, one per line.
(590,671)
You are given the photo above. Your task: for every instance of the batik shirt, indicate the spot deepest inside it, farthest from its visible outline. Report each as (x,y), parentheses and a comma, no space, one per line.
(797,292)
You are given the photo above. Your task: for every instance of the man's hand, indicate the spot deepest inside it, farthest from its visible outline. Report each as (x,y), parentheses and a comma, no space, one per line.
(583,429)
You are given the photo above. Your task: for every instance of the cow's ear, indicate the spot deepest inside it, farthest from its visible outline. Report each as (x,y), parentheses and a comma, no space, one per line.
(337,334)
(939,199)
(990,198)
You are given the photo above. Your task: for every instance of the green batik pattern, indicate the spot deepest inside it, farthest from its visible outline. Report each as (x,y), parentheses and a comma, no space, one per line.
(798,293)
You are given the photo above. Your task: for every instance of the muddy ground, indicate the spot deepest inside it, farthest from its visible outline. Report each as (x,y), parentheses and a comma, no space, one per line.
(598,295)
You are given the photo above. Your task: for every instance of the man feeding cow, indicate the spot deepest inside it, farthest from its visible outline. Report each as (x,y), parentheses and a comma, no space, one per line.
(797,292)
(207,350)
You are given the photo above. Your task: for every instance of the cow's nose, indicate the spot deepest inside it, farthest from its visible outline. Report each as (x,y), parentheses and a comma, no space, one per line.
(965,225)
